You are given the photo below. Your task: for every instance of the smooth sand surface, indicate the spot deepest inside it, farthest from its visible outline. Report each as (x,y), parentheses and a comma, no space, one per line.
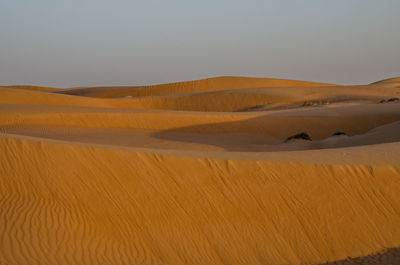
(200,172)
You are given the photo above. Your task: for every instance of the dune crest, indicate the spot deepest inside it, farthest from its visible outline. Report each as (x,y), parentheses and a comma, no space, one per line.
(35,88)
(203,85)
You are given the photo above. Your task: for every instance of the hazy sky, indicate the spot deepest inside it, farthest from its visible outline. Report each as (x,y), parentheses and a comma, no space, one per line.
(69,43)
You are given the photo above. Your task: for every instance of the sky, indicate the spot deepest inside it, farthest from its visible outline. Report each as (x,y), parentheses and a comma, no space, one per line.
(67,43)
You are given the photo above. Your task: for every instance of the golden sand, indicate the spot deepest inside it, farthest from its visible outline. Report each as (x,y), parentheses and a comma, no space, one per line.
(199,172)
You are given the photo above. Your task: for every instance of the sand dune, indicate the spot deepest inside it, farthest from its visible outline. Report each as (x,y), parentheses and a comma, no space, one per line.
(203,85)
(393,81)
(35,88)
(200,172)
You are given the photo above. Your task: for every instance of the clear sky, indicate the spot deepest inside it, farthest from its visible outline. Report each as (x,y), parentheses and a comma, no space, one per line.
(69,43)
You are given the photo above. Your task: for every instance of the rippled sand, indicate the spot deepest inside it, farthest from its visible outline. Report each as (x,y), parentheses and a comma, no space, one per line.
(201,172)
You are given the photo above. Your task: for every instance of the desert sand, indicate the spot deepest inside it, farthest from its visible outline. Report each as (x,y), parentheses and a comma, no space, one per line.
(201,172)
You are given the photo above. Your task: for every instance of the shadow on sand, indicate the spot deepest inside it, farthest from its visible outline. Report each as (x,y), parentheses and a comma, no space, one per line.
(390,256)
(268,133)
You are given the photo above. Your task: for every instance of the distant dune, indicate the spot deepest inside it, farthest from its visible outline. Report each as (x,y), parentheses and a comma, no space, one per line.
(203,85)
(395,80)
(212,171)
(37,88)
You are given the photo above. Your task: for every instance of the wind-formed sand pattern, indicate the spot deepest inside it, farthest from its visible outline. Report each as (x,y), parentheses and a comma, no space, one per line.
(226,170)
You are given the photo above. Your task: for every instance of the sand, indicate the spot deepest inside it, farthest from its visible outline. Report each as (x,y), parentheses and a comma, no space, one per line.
(200,172)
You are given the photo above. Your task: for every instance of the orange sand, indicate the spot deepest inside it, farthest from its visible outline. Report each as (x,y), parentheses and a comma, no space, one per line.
(199,172)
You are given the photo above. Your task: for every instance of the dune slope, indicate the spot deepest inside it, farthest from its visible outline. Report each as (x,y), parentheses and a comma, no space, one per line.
(203,85)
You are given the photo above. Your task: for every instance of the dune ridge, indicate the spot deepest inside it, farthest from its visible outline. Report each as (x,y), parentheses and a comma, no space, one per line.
(202,85)
(232,209)
(34,88)
(200,172)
